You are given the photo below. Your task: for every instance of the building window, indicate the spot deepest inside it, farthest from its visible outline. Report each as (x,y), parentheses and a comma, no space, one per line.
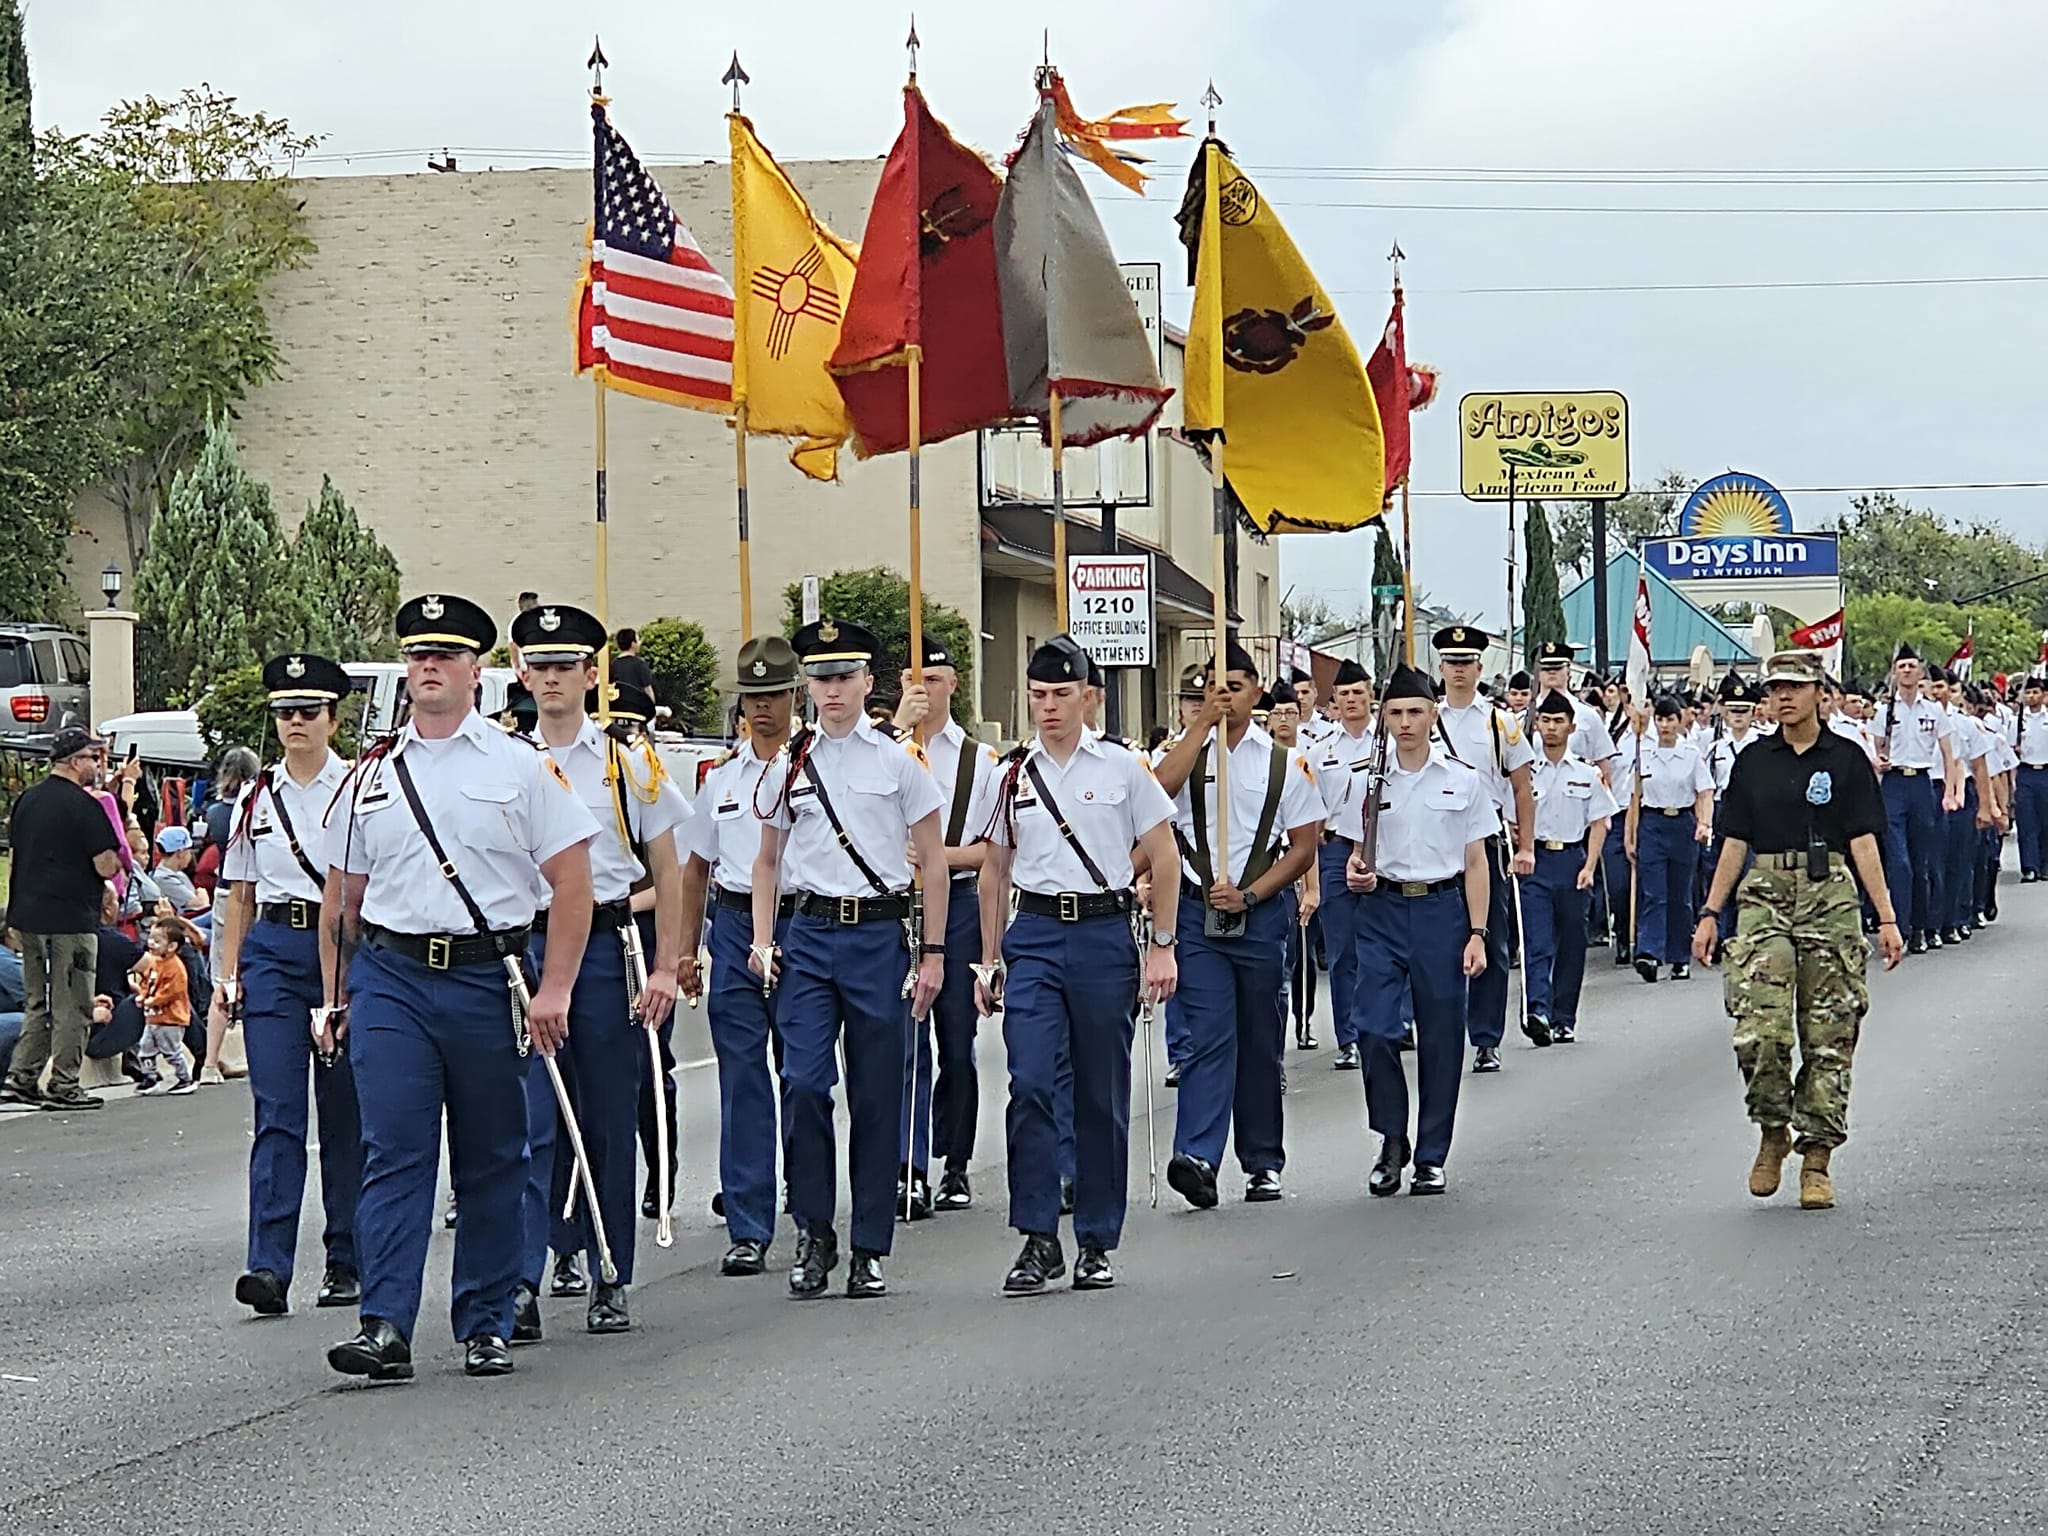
(1263,616)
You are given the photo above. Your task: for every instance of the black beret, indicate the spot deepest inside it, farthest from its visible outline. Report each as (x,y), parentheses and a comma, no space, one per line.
(1556,702)
(1059,660)
(1349,672)
(1407,683)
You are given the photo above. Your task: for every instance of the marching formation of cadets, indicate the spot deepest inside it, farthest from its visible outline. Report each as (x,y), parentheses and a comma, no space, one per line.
(489,924)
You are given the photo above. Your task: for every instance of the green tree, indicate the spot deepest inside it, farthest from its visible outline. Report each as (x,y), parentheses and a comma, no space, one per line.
(344,581)
(1386,600)
(1631,519)
(1307,617)
(217,575)
(207,217)
(1542,608)
(2006,641)
(879,599)
(686,673)
(17,120)
(1889,546)
(235,712)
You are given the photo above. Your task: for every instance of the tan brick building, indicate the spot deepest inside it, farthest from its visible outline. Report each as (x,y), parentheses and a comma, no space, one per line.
(428,371)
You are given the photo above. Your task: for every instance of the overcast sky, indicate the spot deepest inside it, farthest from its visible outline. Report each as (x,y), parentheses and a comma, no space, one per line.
(1807,386)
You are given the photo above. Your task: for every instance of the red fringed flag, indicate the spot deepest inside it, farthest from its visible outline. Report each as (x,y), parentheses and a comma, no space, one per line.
(927,279)
(653,316)
(1399,389)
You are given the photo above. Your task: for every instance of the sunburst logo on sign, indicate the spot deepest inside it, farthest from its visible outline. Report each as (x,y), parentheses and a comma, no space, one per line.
(1735,506)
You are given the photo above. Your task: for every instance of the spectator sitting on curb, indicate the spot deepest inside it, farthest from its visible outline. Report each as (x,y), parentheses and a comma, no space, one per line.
(117,1017)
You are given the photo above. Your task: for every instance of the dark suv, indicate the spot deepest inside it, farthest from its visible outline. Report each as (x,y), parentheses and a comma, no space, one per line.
(44,676)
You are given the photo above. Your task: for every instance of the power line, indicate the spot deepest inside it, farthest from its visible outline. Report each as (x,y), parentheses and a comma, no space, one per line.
(1746,287)
(1808,490)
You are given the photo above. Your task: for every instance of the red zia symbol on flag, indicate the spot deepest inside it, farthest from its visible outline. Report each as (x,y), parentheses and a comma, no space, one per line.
(799,291)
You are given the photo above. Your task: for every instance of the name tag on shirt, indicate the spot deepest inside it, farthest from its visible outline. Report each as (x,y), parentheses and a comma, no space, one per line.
(1578,791)
(726,811)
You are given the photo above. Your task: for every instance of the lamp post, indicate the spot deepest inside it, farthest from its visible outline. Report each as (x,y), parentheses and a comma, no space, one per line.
(110,636)
(110,582)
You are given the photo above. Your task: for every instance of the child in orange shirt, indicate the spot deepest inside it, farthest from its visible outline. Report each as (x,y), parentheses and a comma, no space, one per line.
(160,987)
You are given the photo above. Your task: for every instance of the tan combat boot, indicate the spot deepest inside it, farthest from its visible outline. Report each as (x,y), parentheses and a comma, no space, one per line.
(1816,1188)
(1770,1159)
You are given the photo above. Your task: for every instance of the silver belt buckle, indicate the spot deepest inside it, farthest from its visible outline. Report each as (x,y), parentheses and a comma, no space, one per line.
(440,953)
(849,910)
(1070,907)
(297,915)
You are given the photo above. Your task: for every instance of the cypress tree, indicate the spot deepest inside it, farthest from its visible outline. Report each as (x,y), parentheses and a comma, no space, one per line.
(1542,608)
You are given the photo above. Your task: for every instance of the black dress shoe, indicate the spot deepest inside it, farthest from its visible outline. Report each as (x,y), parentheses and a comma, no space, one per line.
(1934,940)
(486,1355)
(1428,1179)
(1041,1261)
(1092,1271)
(1917,945)
(913,1194)
(1622,955)
(955,1193)
(864,1279)
(1193,1179)
(650,1206)
(1537,1028)
(2028,877)
(1682,971)
(1066,1195)
(569,1277)
(1386,1173)
(339,1287)
(817,1255)
(1408,1040)
(1962,932)
(448,1216)
(1951,936)
(1562,1034)
(1346,1059)
(1305,1039)
(608,1312)
(525,1315)
(263,1293)
(1263,1186)
(1646,968)
(1486,1059)
(378,1351)
(1173,1074)
(745,1257)
(718,1204)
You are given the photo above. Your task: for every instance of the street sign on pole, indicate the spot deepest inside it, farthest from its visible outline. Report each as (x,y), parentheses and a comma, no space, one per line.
(1110,601)
(810,599)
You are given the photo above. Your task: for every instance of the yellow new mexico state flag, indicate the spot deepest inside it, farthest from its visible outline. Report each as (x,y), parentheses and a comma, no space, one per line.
(791,276)
(1270,367)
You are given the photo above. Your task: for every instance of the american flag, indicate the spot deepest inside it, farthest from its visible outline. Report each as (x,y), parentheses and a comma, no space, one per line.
(654,313)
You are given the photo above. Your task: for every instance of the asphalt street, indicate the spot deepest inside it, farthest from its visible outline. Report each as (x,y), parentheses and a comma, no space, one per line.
(1596,1329)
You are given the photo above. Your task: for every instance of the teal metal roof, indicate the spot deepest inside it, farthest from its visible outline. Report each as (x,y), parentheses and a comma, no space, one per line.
(1676,623)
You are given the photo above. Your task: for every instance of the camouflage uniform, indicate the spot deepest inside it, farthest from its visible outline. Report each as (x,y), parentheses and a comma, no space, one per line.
(1796,969)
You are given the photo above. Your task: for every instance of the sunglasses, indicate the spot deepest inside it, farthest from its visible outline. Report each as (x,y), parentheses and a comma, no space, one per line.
(297,711)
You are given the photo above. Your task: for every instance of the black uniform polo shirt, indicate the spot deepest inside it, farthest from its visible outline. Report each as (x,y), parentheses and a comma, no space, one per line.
(1777,796)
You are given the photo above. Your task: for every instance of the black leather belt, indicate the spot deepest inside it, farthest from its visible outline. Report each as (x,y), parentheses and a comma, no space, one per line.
(1551,845)
(605,916)
(292,914)
(1796,860)
(1413,888)
(445,951)
(743,901)
(849,910)
(1072,906)
(1332,835)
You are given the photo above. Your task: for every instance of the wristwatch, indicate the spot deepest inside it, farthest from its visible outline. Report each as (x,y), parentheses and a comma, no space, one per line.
(931,949)
(1479,932)
(1161,940)
(1251,899)
(1714,913)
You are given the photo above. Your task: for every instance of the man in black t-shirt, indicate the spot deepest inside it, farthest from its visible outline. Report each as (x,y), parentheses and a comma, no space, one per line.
(63,855)
(628,665)
(1805,800)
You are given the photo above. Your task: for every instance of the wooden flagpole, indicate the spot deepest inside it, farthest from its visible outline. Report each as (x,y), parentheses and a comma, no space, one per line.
(1407,580)
(1219,494)
(1059,514)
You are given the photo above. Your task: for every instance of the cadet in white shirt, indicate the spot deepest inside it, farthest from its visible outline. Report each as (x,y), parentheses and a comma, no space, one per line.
(724,840)
(1670,818)
(1070,807)
(1341,763)
(413,942)
(637,812)
(266,951)
(1922,779)
(1495,746)
(1591,740)
(1315,728)
(1574,810)
(843,803)
(1999,763)
(1232,928)
(2030,787)
(943,1113)
(1962,827)
(1421,929)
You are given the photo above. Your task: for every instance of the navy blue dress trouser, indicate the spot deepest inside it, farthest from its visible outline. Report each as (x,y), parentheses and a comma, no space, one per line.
(1413,946)
(1964,850)
(844,981)
(1555,914)
(280,975)
(943,1114)
(1486,1003)
(2030,812)
(1072,990)
(1230,1000)
(1339,916)
(1912,809)
(422,1041)
(750,1128)
(1666,856)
